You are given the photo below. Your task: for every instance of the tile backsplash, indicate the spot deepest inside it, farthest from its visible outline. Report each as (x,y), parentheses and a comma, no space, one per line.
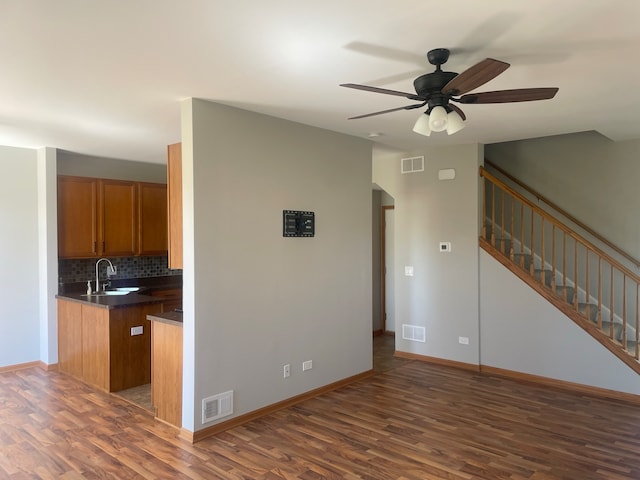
(81,270)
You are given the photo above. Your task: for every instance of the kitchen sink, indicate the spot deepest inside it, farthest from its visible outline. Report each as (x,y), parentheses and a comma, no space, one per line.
(113,291)
(124,289)
(106,293)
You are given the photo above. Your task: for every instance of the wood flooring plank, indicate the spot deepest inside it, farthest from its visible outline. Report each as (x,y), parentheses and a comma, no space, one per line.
(414,421)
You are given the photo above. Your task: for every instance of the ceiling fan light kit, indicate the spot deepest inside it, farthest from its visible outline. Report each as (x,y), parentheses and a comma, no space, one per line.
(438,120)
(437,89)
(455,123)
(422,125)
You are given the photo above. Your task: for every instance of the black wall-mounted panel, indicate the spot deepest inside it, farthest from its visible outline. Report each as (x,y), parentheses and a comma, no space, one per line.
(296,223)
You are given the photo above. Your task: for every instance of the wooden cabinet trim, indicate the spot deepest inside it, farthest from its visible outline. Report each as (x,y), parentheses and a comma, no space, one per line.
(174,202)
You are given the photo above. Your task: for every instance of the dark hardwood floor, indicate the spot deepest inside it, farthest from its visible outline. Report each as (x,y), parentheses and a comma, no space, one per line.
(410,421)
(384,346)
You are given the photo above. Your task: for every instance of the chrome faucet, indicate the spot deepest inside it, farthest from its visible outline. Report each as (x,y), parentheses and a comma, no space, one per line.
(111,270)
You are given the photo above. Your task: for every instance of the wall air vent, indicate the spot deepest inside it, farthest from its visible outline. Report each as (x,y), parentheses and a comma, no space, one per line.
(412,165)
(217,406)
(414,333)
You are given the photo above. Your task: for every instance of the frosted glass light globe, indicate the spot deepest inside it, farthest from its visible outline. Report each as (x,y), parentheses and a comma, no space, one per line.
(438,119)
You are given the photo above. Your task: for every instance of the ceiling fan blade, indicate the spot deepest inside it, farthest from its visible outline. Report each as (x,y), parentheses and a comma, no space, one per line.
(407,107)
(475,76)
(458,110)
(410,96)
(508,96)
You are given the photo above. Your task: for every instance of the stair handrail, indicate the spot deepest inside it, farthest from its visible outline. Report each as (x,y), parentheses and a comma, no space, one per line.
(577,237)
(564,213)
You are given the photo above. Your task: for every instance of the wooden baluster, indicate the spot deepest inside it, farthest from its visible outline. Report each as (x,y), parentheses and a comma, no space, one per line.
(493,214)
(575,274)
(637,349)
(522,235)
(484,208)
(513,204)
(587,296)
(542,250)
(625,311)
(502,221)
(553,257)
(611,306)
(531,246)
(600,292)
(564,264)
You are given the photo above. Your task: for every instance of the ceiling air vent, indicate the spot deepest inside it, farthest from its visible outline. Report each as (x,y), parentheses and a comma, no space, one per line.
(412,164)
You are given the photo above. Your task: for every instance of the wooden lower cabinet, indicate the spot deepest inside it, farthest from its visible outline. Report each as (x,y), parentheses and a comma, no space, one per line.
(166,379)
(70,338)
(96,356)
(95,344)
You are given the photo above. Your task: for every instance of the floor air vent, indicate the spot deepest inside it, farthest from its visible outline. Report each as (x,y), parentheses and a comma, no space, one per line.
(414,333)
(412,164)
(217,406)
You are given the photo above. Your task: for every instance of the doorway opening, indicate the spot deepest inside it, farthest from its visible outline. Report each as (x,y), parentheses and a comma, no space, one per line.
(383,321)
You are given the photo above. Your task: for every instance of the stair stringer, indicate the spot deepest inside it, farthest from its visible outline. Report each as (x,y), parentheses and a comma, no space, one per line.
(566,308)
(605,311)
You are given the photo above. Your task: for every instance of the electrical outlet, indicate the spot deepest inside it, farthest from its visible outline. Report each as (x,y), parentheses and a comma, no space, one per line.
(137,330)
(308,365)
(463,340)
(287,371)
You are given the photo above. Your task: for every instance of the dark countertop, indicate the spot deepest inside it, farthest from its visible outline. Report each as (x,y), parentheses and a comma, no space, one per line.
(76,292)
(171,318)
(110,301)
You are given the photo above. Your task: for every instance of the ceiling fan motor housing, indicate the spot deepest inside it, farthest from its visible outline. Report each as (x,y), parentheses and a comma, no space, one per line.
(432,83)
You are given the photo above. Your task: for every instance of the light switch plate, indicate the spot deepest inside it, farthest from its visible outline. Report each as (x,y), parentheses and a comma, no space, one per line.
(408,270)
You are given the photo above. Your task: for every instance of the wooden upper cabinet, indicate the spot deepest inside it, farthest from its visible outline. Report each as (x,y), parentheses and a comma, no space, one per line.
(110,218)
(152,212)
(117,218)
(77,217)
(174,194)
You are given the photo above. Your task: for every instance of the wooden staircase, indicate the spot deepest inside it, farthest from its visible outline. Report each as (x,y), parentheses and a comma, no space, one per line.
(598,292)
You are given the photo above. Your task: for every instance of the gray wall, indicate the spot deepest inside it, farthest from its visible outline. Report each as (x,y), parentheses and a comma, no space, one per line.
(593,178)
(19,282)
(523,332)
(70,163)
(254,300)
(442,296)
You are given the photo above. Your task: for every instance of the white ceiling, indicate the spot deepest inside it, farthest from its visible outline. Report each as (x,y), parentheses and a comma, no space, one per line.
(106,77)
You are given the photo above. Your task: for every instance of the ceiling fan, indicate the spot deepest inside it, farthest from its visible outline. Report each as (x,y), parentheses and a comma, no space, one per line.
(438,89)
